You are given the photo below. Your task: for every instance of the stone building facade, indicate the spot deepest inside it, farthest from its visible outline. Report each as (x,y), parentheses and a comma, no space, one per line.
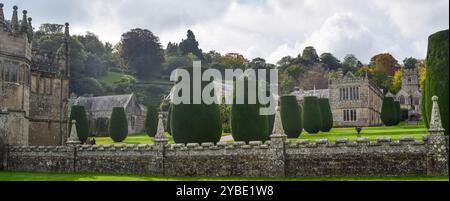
(33,86)
(99,109)
(354,101)
(409,95)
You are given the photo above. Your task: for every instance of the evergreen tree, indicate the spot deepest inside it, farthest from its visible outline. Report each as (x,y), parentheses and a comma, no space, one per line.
(312,118)
(291,116)
(151,121)
(78,114)
(190,45)
(388,112)
(327,116)
(436,83)
(118,127)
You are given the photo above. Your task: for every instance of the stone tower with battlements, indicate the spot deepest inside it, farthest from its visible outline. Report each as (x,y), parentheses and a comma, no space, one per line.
(33,86)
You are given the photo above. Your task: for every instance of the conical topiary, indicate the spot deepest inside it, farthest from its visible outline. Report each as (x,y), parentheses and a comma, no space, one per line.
(118,127)
(312,118)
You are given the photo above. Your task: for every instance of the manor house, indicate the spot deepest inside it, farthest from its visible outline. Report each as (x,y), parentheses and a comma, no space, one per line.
(34,86)
(354,101)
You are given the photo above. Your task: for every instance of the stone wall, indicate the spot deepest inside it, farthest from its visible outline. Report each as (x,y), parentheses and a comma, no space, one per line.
(14,127)
(271,159)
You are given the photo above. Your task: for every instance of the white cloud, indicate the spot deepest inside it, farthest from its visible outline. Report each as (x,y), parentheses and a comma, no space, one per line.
(265,28)
(342,34)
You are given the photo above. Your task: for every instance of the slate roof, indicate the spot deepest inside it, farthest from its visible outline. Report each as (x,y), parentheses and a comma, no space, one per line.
(103,103)
(320,93)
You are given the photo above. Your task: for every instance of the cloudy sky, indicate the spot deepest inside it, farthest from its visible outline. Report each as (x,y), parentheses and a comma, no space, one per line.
(258,28)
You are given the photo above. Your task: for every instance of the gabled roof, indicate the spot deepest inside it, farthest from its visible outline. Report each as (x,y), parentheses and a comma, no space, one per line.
(349,75)
(102,103)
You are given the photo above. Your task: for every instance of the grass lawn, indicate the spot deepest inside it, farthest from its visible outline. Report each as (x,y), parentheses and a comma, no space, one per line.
(395,132)
(28,176)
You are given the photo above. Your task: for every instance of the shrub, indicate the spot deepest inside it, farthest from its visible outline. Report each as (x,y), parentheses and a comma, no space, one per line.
(290,116)
(312,120)
(118,127)
(78,114)
(151,121)
(246,122)
(388,112)
(327,116)
(436,83)
(397,112)
(195,123)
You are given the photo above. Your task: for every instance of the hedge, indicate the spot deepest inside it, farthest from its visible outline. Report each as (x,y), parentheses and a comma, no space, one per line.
(151,121)
(78,114)
(327,116)
(246,122)
(388,112)
(195,123)
(436,83)
(312,118)
(397,112)
(118,127)
(290,116)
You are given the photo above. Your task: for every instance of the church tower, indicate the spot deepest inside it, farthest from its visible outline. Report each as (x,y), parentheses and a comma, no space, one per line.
(410,80)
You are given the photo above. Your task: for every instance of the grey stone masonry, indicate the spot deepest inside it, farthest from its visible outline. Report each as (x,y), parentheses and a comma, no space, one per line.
(438,144)
(276,157)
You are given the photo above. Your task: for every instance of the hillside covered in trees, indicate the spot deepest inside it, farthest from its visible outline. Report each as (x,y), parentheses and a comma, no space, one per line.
(139,63)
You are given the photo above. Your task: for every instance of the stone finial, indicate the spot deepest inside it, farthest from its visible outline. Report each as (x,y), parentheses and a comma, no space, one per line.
(160,135)
(66,30)
(15,20)
(435,122)
(2,15)
(24,25)
(73,138)
(30,29)
(278,125)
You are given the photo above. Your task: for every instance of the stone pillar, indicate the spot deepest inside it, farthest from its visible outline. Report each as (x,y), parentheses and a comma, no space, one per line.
(160,141)
(73,138)
(437,149)
(277,148)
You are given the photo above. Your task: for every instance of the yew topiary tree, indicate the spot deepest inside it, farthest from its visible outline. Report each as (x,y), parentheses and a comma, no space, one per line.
(327,116)
(195,123)
(118,127)
(312,118)
(78,114)
(247,124)
(290,116)
(151,121)
(436,81)
(397,112)
(388,112)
